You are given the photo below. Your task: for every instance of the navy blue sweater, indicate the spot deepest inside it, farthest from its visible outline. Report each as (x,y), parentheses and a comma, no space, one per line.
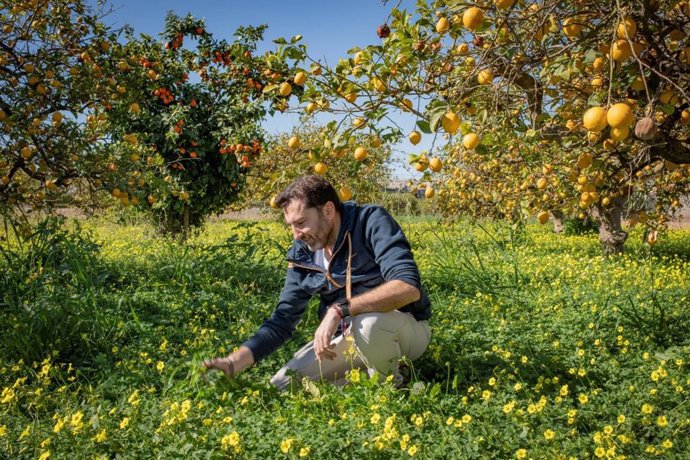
(380,253)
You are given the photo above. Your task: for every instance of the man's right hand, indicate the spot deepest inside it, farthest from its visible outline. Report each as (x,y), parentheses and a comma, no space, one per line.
(233,364)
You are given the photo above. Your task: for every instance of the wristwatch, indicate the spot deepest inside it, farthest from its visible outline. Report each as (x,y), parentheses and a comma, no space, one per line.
(342,307)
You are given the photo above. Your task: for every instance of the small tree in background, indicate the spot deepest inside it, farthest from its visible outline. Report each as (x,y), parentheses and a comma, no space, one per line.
(185,122)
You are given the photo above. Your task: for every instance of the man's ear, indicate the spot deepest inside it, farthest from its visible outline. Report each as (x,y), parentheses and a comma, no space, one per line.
(329,209)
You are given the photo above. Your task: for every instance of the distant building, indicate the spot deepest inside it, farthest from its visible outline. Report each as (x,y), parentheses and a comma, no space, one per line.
(397,186)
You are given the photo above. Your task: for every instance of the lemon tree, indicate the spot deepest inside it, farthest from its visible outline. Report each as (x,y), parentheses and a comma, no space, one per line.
(566,108)
(358,170)
(52,57)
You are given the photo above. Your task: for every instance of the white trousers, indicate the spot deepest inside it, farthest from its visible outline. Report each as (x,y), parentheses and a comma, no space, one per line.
(374,341)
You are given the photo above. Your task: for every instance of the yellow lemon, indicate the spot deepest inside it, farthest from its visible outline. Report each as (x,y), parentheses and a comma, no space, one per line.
(594,119)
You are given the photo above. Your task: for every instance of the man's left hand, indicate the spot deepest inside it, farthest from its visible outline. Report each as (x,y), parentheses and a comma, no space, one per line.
(324,335)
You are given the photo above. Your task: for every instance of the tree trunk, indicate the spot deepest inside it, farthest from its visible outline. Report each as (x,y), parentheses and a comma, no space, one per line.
(185,222)
(558,225)
(610,218)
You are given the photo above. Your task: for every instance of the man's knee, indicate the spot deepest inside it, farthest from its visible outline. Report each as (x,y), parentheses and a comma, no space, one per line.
(370,328)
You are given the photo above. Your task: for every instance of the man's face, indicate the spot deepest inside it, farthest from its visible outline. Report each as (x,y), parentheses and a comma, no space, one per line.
(311,225)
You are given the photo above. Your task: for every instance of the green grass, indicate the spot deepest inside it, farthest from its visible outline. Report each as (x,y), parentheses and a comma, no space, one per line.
(539,343)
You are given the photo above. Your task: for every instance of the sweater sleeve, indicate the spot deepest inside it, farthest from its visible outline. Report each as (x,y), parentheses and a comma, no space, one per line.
(277,329)
(392,251)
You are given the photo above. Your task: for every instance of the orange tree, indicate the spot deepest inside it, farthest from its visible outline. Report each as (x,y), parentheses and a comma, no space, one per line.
(184,122)
(309,150)
(570,108)
(52,55)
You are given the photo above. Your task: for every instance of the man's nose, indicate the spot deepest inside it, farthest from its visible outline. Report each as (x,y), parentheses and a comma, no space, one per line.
(297,233)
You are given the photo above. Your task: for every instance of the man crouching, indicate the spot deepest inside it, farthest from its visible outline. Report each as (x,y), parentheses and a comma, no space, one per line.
(357,259)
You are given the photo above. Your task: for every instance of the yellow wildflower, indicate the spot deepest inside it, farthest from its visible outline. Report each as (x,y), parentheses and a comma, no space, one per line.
(231,440)
(8,395)
(286,444)
(44,455)
(26,432)
(59,425)
(412,450)
(403,442)
(549,434)
(101,436)
(662,421)
(304,451)
(124,423)
(521,453)
(647,408)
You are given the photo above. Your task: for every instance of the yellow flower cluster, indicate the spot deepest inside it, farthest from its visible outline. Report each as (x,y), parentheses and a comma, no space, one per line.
(231,441)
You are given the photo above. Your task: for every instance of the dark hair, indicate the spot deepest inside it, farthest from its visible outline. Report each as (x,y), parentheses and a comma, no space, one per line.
(312,190)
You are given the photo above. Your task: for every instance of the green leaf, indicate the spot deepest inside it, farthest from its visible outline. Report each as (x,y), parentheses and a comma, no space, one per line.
(423,126)
(296,38)
(482,116)
(668,109)
(435,118)
(280,41)
(413,158)
(530,133)
(270,87)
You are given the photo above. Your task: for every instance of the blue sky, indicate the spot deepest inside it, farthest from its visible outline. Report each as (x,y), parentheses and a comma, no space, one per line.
(329,28)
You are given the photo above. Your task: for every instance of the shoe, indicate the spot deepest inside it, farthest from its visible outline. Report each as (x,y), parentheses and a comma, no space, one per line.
(406,373)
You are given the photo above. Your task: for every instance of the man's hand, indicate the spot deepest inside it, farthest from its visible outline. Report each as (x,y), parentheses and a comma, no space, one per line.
(324,335)
(232,364)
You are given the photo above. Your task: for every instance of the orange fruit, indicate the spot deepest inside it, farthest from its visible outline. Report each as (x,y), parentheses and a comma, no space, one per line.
(572,27)
(320,168)
(472,18)
(543,217)
(300,78)
(415,137)
(594,119)
(620,134)
(442,25)
(361,153)
(485,77)
(620,50)
(285,89)
(435,164)
(345,193)
(626,28)
(504,4)
(450,122)
(471,140)
(429,193)
(294,142)
(619,115)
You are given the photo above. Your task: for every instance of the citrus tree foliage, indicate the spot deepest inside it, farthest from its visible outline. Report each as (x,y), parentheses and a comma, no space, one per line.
(184,122)
(309,150)
(52,54)
(505,86)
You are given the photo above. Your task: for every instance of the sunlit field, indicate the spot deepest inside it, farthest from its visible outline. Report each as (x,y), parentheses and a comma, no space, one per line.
(541,348)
